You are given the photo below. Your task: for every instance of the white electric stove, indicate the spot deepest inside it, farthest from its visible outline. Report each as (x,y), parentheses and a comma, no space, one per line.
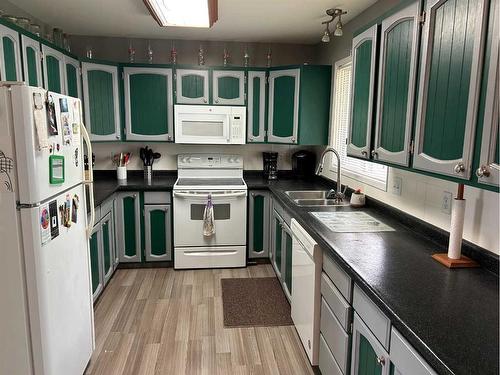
(220,178)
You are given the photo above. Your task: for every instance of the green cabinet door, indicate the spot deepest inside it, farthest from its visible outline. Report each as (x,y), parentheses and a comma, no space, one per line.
(256,106)
(452,43)
(258,224)
(368,355)
(283,114)
(488,168)
(10,64)
(396,87)
(158,232)
(53,69)
(192,86)
(102,101)
(95,245)
(32,61)
(364,48)
(72,77)
(287,258)
(277,243)
(228,87)
(128,227)
(149,110)
(108,243)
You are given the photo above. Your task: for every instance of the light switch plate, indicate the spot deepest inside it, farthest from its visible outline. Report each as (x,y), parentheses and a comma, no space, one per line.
(397,184)
(446,203)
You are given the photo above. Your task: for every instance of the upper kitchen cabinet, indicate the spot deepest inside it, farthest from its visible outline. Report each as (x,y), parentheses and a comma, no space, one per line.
(299,105)
(102,101)
(396,88)
(72,80)
(228,87)
(452,49)
(192,86)
(256,106)
(283,113)
(10,55)
(53,69)
(32,61)
(149,109)
(364,55)
(488,170)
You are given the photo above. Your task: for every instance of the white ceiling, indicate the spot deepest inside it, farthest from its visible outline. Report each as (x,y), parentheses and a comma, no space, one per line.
(291,21)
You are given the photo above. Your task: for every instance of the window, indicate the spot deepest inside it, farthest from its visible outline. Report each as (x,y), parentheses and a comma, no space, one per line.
(364,171)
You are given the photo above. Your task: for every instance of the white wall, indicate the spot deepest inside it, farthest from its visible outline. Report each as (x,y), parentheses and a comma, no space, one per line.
(252,154)
(422,196)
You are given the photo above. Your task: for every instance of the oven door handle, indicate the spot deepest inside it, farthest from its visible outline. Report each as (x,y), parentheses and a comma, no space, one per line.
(214,196)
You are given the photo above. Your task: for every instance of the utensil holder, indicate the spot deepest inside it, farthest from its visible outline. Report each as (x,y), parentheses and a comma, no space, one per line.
(121,173)
(147,172)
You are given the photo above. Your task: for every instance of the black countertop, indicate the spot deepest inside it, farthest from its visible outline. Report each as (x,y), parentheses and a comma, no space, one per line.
(451,317)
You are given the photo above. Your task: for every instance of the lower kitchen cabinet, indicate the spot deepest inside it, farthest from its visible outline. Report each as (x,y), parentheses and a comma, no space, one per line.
(95,245)
(277,243)
(368,355)
(128,227)
(287,259)
(259,224)
(158,232)
(404,358)
(102,248)
(281,249)
(108,246)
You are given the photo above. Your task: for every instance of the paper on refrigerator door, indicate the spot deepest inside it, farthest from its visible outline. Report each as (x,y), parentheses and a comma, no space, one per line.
(40,118)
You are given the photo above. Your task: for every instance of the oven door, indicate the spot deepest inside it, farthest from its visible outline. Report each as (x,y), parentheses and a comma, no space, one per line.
(230,218)
(202,124)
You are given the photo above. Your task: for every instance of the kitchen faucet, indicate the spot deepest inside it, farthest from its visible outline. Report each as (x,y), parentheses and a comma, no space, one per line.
(338,196)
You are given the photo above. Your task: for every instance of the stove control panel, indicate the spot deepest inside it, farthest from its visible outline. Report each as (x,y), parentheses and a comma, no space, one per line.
(208,161)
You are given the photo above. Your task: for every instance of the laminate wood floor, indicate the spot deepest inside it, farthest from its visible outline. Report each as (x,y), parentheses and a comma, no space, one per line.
(161,321)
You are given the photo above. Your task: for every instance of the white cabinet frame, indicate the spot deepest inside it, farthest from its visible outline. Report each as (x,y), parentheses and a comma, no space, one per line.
(261,75)
(239,75)
(28,42)
(14,36)
(184,99)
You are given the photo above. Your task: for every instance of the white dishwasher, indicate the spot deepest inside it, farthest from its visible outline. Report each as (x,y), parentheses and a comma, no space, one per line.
(307,261)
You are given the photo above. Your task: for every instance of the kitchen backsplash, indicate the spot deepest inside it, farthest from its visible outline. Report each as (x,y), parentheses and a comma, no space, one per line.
(252,154)
(422,197)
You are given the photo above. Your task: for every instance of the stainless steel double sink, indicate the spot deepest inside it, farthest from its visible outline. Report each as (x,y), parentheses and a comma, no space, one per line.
(312,198)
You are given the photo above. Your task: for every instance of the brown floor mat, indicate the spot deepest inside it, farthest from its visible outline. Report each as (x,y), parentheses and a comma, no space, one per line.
(258,302)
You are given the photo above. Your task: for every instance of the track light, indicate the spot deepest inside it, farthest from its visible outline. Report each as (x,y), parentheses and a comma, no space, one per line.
(334,13)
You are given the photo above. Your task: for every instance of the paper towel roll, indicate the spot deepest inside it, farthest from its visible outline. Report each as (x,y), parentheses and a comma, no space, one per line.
(456,229)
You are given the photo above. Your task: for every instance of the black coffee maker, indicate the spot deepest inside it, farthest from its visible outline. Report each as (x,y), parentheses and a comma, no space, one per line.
(270,164)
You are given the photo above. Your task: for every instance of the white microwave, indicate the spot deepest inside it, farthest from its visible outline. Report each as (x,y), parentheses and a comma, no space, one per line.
(210,124)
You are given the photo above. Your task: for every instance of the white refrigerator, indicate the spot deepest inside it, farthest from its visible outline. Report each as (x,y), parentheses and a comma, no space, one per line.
(46,313)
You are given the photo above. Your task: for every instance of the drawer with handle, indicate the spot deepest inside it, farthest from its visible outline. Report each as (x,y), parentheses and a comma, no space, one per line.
(337,303)
(336,338)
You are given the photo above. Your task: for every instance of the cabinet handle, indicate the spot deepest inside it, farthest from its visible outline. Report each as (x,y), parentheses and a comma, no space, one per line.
(375,154)
(293,140)
(204,100)
(117,136)
(483,171)
(134,195)
(250,139)
(381,361)
(459,168)
(253,194)
(364,153)
(217,100)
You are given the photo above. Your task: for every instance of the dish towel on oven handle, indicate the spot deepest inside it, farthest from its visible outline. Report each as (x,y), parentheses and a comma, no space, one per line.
(208,218)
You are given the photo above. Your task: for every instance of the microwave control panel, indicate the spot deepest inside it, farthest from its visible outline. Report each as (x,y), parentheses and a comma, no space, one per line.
(238,125)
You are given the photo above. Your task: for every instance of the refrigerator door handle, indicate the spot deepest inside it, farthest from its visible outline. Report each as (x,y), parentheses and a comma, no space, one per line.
(90,180)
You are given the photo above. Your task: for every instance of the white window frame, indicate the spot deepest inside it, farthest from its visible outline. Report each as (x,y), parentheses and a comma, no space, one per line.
(335,141)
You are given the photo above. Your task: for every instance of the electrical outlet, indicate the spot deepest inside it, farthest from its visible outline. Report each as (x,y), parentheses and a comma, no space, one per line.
(397,184)
(446,203)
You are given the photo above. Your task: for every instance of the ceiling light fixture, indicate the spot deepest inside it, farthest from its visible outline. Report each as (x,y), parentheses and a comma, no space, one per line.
(183,13)
(333,13)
